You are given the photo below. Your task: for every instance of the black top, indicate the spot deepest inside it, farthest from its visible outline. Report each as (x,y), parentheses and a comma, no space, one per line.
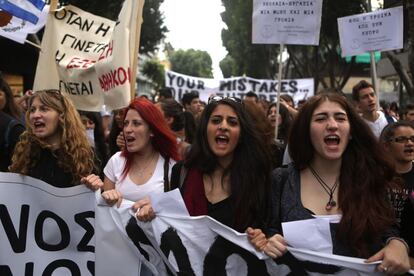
(222,211)
(48,170)
(404,207)
(287,206)
(6,151)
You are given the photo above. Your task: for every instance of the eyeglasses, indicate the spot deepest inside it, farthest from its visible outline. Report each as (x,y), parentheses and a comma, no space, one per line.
(402,139)
(217,98)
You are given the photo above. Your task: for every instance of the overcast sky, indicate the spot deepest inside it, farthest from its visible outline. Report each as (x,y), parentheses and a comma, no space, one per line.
(196,24)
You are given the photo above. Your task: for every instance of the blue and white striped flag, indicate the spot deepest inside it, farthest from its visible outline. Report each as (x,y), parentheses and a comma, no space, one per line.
(18,18)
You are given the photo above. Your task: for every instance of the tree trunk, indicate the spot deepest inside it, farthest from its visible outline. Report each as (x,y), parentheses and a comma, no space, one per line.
(402,72)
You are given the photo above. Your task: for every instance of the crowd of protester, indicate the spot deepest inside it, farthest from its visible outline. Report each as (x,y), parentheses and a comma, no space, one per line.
(350,162)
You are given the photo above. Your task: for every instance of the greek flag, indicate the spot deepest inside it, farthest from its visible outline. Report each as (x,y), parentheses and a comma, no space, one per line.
(22,8)
(18,18)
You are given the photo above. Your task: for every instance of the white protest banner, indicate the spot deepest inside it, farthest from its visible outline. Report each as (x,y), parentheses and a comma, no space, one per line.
(237,87)
(117,250)
(45,230)
(381,30)
(286,21)
(33,15)
(89,57)
(179,244)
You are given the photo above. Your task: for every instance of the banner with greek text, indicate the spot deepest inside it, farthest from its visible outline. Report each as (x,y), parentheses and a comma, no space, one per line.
(45,230)
(299,89)
(175,243)
(90,58)
(381,30)
(286,22)
(50,231)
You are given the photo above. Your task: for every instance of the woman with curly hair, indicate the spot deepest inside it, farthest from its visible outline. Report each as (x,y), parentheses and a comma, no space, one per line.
(54,148)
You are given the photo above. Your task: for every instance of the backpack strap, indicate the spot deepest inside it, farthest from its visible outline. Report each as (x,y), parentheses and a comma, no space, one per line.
(167,186)
(178,175)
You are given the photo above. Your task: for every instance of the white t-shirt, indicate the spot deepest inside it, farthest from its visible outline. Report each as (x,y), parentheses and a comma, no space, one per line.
(378,124)
(130,190)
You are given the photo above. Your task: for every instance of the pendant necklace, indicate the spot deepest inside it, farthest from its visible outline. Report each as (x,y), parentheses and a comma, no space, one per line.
(330,191)
(140,172)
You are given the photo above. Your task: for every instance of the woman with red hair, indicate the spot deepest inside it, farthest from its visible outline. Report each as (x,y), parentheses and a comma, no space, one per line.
(144,166)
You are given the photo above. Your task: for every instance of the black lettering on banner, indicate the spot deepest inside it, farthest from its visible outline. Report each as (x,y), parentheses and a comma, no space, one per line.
(253,83)
(29,269)
(180,81)
(70,265)
(17,241)
(171,242)
(283,87)
(91,267)
(242,84)
(225,85)
(216,259)
(63,227)
(5,270)
(138,237)
(171,78)
(200,84)
(263,87)
(82,220)
(273,87)
(293,86)
(191,83)
(104,29)
(59,59)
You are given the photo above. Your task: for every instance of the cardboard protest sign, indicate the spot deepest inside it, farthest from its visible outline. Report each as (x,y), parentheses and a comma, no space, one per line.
(381,30)
(237,87)
(286,22)
(45,230)
(90,58)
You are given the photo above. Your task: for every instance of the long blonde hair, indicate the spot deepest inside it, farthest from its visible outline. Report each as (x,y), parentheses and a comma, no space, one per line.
(75,154)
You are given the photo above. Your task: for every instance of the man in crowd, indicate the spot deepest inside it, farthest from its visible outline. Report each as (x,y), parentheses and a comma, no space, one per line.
(409,112)
(251,97)
(365,98)
(191,103)
(398,141)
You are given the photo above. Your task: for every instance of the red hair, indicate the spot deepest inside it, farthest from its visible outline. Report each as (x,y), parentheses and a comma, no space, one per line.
(163,141)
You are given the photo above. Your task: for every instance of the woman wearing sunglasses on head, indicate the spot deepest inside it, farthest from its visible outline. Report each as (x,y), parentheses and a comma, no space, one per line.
(54,148)
(340,172)
(227,169)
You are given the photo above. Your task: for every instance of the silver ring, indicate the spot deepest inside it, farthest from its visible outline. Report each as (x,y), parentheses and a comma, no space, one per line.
(385,269)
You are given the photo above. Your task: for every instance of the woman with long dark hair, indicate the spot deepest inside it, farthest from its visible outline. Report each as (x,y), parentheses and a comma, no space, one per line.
(339,171)
(228,168)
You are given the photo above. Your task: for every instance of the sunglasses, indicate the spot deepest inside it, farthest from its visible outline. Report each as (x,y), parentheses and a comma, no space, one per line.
(402,139)
(216,98)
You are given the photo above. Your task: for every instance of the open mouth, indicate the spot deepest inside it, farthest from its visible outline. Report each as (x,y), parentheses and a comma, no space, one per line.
(332,140)
(409,150)
(222,140)
(38,125)
(129,139)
